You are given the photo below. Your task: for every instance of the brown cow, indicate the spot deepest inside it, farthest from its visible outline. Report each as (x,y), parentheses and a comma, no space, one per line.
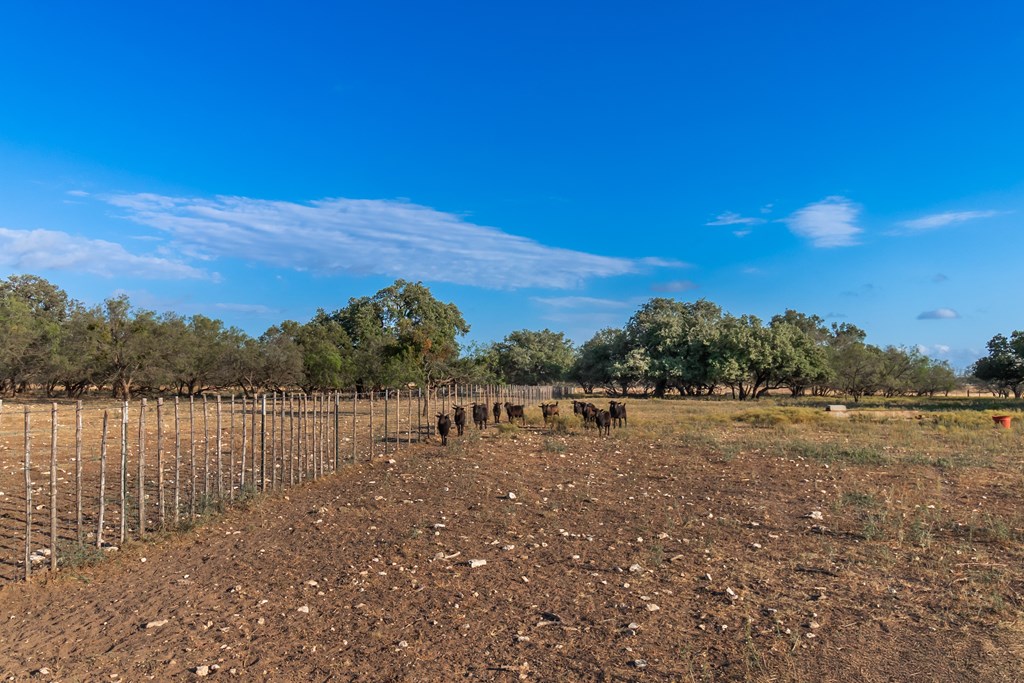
(514,412)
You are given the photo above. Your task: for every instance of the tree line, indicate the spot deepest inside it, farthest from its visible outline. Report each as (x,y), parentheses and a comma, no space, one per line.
(404,335)
(695,349)
(401,334)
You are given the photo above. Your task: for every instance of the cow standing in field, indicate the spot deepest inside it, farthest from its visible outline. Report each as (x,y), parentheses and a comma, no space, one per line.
(480,415)
(589,413)
(549,410)
(514,412)
(577,408)
(497,412)
(460,419)
(603,420)
(444,425)
(618,413)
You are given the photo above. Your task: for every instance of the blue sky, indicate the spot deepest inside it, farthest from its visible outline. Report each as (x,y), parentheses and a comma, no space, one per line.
(539,164)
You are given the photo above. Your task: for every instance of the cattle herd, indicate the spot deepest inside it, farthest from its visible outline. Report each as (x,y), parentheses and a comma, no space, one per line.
(591,415)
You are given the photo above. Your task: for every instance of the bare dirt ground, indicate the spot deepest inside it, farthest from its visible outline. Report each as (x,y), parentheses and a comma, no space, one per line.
(627,558)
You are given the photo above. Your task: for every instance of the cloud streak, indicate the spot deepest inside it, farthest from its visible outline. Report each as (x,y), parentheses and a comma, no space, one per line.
(733,218)
(828,223)
(32,250)
(940,220)
(369,237)
(939,314)
(579,302)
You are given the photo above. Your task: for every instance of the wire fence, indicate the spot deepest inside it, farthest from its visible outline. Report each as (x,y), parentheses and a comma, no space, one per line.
(86,477)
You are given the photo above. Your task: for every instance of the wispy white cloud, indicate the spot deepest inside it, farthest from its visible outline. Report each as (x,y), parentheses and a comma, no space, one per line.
(934,349)
(939,314)
(939,220)
(674,286)
(658,262)
(369,236)
(828,223)
(32,250)
(78,193)
(579,302)
(733,218)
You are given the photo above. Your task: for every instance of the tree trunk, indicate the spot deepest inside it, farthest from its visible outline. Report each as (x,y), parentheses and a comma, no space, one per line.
(660,388)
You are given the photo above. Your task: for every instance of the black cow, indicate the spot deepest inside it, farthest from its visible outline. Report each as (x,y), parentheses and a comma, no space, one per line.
(618,412)
(497,412)
(514,412)
(460,419)
(444,425)
(577,408)
(480,415)
(603,420)
(549,410)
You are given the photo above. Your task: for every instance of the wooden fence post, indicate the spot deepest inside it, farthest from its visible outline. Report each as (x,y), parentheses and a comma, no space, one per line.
(220,455)
(160,461)
(280,438)
(263,443)
(317,441)
(231,457)
(252,438)
(142,469)
(124,470)
(291,439)
(245,444)
(300,441)
(206,454)
(325,413)
(177,463)
(103,480)
(192,456)
(28,495)
(273,439)
(53,487)
(314,441)
(78,473)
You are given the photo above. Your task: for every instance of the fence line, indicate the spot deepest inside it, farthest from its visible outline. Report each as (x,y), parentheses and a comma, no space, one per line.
(298,438)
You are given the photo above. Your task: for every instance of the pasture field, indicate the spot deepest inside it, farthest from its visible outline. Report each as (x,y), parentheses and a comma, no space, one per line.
(706,541)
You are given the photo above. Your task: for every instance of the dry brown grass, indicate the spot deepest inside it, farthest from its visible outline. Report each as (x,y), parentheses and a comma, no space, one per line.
(913,571)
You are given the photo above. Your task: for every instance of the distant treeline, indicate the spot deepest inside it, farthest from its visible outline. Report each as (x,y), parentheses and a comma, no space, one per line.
(402,335)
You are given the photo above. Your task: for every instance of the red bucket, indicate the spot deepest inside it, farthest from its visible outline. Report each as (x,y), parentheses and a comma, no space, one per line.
(1002,420)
